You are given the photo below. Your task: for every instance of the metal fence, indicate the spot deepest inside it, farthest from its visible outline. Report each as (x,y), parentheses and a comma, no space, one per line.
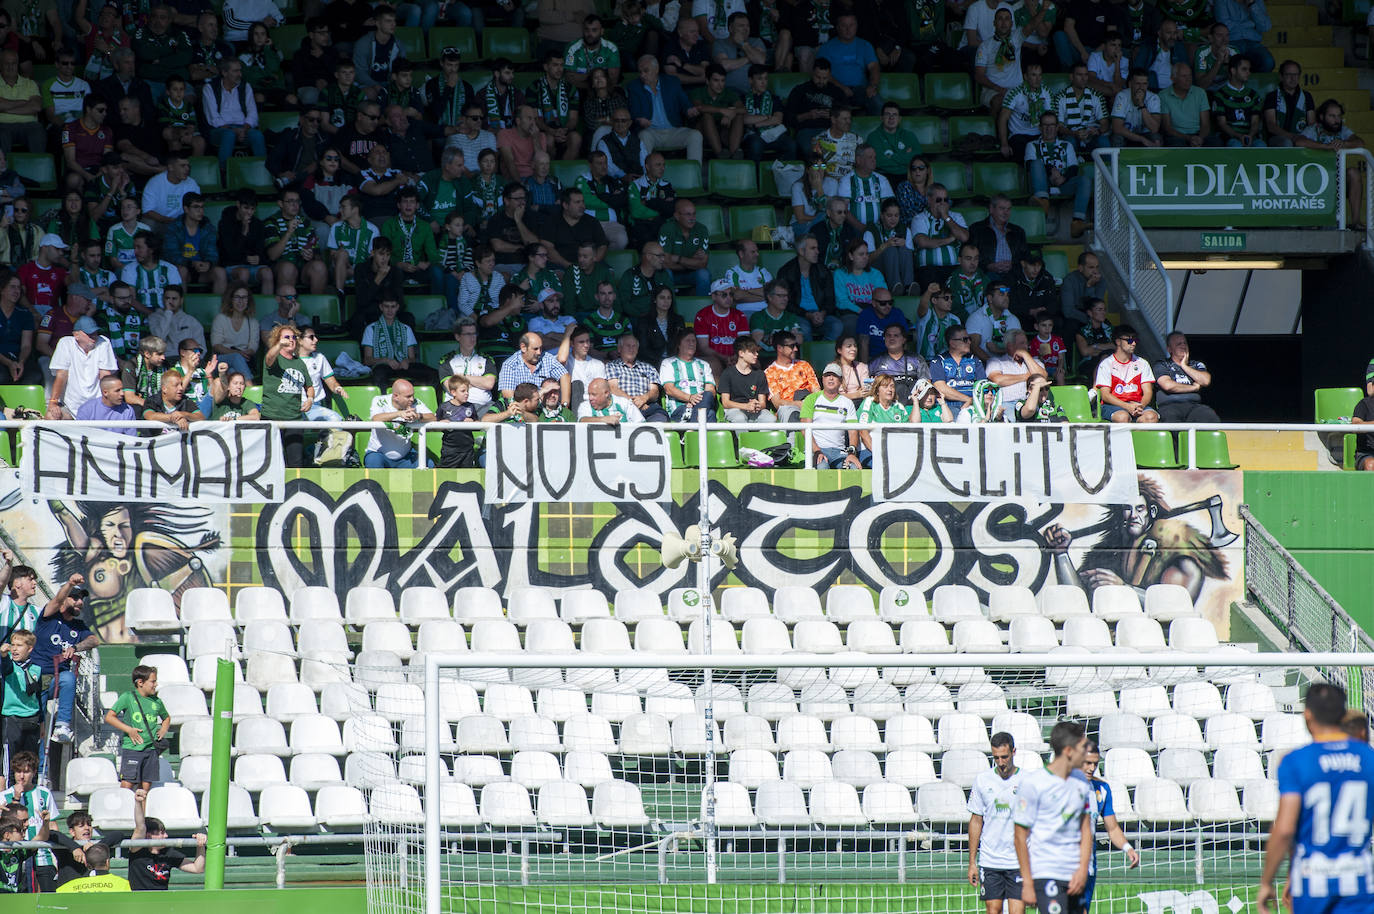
(1119,239)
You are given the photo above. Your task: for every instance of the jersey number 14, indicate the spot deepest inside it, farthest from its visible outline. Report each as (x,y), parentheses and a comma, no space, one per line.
(1348,818)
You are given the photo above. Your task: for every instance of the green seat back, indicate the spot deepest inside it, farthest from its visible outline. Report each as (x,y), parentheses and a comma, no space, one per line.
(773,261)
(1032,219)
(743,220)
(422,306)
(688,306)
(732,178)
(1336,402)
(568,171)
(205,172)
(720,450)
(950,91)
(203,306)
(1056,262)
(506,42)
(1073,400)
(929,130)
(991,178)
(1154,449)
(323,309)
(685,176)
(251,172)
(38,167)
(952,175)
(768,186)
(27,395)
(963,125)
(782,84)
(449,36)
(902,88)
(621,262)
(1212,452)
(712,218)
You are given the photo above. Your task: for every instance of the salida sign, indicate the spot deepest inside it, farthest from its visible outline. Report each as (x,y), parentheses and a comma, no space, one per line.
(1209,187)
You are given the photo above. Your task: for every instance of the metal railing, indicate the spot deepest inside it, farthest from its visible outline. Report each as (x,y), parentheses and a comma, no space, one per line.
(1120,240)
(1342,159)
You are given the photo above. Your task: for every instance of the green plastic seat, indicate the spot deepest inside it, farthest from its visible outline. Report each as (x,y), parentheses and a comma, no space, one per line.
(275,122)
(359,400)
(717,262)
(568,171)
(264,306)
(214,210)
(953,176)
(1032,219)
(324,309)
(910,305)
(253,393)
(865,125)
(971,124)
(1055,83)
(250,172)
(744,219)
(428,396)
(506,42)
(950,92)
(688,306)
(37,167)
(332,349)
(1073,400)
(451,36)
(712,218)
(1056,262)
(205,172)
(971,212)
(412,40)
(619,262)
(422,306)
(1154,449)
(431,351)
(685,176)
(1212,452)
(991,178)
(773,261)
(675,449)
(762,440)
(768,186)
(929,130)
(203,306)
(720,450)
(31,396)
(782,84)
(818,353)
(902,88)
(1336,402)
(733,178)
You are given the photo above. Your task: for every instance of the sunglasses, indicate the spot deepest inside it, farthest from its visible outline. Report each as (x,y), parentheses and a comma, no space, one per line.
(452,51)
(289,297)
(196,351)
(288,336)
(1128,339)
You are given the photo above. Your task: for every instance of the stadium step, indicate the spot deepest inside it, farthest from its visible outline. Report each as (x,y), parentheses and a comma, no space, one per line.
(1307,36)
(1362,122)
(1315,58)
(1354,100)
(1286,15)
(1272,451)
(1328,78)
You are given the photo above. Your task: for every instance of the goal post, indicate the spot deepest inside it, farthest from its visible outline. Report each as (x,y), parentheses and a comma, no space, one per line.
(808,780)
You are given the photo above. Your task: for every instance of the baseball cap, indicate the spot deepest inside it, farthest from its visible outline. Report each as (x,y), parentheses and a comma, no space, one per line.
(87,325)
(453,52)
(721,285)
(921,388)
(81,289)
(1369,372)
(51,240)
(833,368)
(548,293)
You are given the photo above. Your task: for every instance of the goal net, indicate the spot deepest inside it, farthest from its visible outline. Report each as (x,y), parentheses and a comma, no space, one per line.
(600,774)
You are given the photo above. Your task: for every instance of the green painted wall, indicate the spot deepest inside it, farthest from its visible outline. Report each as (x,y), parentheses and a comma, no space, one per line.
(341,900)
(1327,521)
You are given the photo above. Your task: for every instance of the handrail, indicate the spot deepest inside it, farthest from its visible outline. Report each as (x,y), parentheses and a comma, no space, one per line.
(1341,221)
(1119,237)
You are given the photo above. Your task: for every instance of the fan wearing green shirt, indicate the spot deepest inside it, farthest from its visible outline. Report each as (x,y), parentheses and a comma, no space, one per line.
(1236,107)
(776,317)
(635,291)
(143,719)
(881,406)
(894,144)
(444,188)
(607,325)
(581,279)
(412,240)
(721,114)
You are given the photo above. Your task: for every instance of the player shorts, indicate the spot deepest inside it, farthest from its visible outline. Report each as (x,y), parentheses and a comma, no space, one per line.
(1052,897)
(1329,904)
(999,885)
(138,765)
(1088,890)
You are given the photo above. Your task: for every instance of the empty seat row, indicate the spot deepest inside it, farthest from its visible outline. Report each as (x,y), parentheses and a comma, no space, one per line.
(280,807)
(1182,731)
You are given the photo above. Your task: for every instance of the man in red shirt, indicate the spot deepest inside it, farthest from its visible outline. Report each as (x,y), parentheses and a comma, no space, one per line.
(717,327)
(85,142)
(519,143)
(43,280)
(59,322)
(1125,382)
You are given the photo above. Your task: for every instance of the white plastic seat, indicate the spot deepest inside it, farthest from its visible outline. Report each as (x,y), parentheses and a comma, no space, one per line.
(802,731)
(770,700)
(1025,730)
(368,733)
(1121,801)
(909,767)
(112,809)
(817,636)
(1237,765)
(399,701)
(1114,602)
(175,806)
(506,804)
(315,604)
(152,610)
(458,806)
(369,770)
(424,604)
(963,731)
(396,804)
(659,636)
(978,636)
(1159,800)
(525,604)
(924,636)
(1214,800)
(870,635)
(558,705)
(323,638)
(256,772)
(87,775)
(857,767)
(1177,731)
(533,769)
(1091,703)
(899,603)
(733,809)
(1197,699)
(374,669)
(723,639)
(507,701)
(198,731)
(684,604)
(252,604)
(605,636)
(369,604)
(1128,765)
(617,704)
(885,803)
(204,672)
(241,814)
(670,700)
(270,637)
(645,734)
(1255,700)
(1260,800)
(202,604)
(1123,730)
(1192,634)
(1143,634)
(210,639)
(877,700)
(314,770)
(835,804)
(1167,602)
(474,604)
(319,674)
(793,604)
(752,767)
(1087,631)
(587,768)
(1009,602)
(910,731)
(495,636)
(388,635)
(853,731)
(260,735)
(951,603)
(780,804)
(184,701)
(637,604)
(589,732)
(984,699)
(942,803)
(193,773)
(1145,700)
(726,701)
(928,699)
(478,770)
(338,807)
(1283,731)
(1183,766)
(1031,635)
(1235,731)
(341,700)
(618,804)
(1061,602)
(171,669)
(806,768)
(846,603)
(738,604)
(748,731)
(962,766)
(287,807)
(534,732)
(584,605)
(266,671)
(550,636)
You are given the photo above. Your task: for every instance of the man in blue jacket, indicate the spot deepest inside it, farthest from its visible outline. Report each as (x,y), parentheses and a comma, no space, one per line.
(661,109)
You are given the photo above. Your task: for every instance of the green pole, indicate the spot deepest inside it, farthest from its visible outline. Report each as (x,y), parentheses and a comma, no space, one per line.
(219,775)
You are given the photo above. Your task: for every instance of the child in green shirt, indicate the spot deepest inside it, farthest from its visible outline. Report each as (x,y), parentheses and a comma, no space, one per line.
(22,684)
(142,717)
(967,283)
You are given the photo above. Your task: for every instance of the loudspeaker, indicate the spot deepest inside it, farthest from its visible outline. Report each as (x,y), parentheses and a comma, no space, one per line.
(726,549)
(677,549)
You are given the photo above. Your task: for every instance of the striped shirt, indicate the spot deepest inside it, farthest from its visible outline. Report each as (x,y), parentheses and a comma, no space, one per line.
(926,223)
(865,195)
(14,617)
(1026,105)
(1077,112)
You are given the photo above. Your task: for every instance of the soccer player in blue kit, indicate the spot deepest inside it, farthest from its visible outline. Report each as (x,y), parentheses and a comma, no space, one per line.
(1103,812)
(1326,813)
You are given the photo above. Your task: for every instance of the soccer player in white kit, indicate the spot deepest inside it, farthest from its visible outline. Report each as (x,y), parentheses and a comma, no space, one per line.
(992,864)
(1054,835)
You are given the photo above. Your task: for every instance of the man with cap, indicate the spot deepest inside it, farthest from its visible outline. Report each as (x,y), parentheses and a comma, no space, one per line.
(45,276)
(989,325)
(62,634)
(833,448)
(78,363)
(552,323)
(58,322)
(109,406)
(718,325)
(1361,415)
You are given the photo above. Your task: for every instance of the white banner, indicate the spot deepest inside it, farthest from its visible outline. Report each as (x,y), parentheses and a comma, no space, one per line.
(586,462)
(1060,463)
(212,463)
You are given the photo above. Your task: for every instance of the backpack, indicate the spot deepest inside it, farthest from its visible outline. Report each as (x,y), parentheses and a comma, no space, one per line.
(335,449)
